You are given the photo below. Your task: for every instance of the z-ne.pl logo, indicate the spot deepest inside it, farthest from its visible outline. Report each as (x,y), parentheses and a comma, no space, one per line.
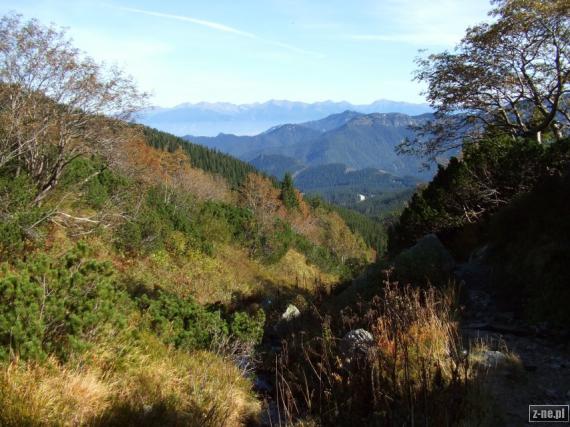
(548,414)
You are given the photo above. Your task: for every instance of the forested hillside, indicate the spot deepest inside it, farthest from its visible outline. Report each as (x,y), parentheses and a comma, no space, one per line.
(233,170)
(136,265)
(356,140)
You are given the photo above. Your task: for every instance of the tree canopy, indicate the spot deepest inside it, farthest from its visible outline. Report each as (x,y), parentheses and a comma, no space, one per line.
(509,77)
(288,194)
(54,100)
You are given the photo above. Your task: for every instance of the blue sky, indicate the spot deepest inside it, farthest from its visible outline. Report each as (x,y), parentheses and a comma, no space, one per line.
(255,50)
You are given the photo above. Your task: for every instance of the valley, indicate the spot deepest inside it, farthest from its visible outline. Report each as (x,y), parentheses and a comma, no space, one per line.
(344,158)
(356,140)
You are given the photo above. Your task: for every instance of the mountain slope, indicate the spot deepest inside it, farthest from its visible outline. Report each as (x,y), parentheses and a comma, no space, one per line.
(359,141)
(338,175)
(277,165)
(366,141)
(249,119)
(356,188)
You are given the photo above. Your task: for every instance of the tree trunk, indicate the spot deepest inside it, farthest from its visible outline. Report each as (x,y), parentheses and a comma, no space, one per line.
(49,186)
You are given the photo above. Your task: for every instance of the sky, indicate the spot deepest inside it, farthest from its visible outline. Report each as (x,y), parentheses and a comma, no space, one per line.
(255,50)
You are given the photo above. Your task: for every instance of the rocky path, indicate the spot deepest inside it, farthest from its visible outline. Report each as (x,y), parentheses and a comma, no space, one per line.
(543,374)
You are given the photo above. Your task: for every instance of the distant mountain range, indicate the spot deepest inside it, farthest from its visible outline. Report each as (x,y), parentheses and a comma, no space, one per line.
(210,119)
(356,140)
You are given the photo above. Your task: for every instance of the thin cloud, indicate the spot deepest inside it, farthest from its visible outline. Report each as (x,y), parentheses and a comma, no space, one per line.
(220,27)
(203,23)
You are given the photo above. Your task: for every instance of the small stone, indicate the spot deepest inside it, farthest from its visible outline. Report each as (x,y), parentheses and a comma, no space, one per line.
(291,313)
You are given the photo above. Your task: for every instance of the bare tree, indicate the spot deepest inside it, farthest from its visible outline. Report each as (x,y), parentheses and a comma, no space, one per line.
(54,101)
(509,77)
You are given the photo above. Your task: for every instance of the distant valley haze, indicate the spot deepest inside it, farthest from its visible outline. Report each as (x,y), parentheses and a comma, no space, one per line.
(213,118)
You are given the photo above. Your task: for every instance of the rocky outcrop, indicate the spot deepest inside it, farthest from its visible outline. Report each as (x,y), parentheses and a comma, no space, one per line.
(427,260)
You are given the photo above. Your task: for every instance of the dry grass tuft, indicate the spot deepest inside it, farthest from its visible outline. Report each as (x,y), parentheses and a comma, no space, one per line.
(51,394)
(128,386)
(414,371)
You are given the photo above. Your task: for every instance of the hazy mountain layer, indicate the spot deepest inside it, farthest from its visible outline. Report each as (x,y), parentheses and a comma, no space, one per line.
(210,119)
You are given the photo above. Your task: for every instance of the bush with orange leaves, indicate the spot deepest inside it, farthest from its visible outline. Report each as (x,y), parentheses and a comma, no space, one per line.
(153,167)
(321,227)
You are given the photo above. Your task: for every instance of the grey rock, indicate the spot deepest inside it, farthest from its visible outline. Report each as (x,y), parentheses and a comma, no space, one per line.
(357,340)
(290,313)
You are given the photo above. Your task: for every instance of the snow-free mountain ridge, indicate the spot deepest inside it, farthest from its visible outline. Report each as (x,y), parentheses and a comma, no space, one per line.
(212,118)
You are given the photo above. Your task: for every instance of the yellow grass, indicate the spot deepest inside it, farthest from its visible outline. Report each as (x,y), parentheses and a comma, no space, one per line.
(127,386)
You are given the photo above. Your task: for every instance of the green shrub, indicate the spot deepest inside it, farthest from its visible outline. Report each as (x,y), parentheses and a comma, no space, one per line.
(146,233)
(164,212)
(246,328)
(182,322)
(18,215)
(95,180)
(236,220)
(491,174)
(320,256)
(275,244)
(57,305)
(288,194)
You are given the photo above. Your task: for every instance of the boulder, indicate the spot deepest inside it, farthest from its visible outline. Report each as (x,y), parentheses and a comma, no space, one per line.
(290,313)
(428,259)
(356,341)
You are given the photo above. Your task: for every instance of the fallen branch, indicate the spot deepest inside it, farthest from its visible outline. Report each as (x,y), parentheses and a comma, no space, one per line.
(76,218)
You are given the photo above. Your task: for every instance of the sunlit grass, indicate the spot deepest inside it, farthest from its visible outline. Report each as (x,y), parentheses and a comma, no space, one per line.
(121,383)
